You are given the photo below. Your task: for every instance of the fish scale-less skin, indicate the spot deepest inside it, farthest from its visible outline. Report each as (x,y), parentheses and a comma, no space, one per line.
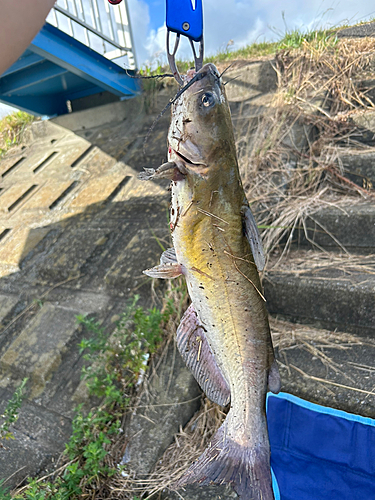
(213,253)
(228,305)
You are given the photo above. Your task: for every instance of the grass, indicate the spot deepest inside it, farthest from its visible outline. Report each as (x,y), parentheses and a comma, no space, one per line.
(11,129)
(288,41)
(316,39)
(290,160)
(114,366)
(11,413)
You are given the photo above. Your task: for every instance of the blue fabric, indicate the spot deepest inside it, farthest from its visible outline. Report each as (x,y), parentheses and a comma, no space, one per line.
(319,453)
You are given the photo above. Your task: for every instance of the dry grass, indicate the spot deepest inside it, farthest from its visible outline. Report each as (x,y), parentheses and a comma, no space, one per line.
(290,164)
(287,336)
(290,169)
(188,445)
(316,262)
(192,440)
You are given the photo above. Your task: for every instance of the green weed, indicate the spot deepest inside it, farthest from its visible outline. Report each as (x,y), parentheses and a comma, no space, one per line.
(11,413)
(11,129)
(4,495)
(114,364)
(317,39)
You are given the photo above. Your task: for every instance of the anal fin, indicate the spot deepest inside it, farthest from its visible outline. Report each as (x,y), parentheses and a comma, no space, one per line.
(197,354)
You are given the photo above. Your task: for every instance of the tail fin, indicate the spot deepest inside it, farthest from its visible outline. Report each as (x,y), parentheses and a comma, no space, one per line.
(226,461)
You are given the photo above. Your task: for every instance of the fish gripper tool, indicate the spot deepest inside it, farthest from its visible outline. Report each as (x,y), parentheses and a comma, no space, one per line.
(184,17)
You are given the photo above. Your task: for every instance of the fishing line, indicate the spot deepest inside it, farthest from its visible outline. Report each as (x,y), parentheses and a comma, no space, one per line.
(141,77)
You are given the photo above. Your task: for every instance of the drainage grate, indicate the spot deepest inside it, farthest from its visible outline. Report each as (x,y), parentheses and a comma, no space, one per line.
(82,156)
(10,169)
(63,195)
(116,191)
(4,232)
(22,197)
(44,162)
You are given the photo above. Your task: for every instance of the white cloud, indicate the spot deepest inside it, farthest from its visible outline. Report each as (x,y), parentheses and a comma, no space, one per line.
(248,21)
(140,20)
(156,47)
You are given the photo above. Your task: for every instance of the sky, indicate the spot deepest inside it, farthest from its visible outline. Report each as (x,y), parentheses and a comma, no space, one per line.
(238,22)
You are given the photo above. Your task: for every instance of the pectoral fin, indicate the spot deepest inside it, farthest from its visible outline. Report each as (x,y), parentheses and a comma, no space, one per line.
(170,170)
(196,352)
(164,271)
(168,257)
(253,236)
(168,268)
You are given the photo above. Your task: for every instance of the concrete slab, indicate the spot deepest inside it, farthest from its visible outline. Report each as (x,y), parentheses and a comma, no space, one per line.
(348,225)
(359,166)
(142,246)
(39,435)
(7,302)
(36,352)
(96,190)
(331,298)
(250,80)
(172,397)
(100,115)
(19,243)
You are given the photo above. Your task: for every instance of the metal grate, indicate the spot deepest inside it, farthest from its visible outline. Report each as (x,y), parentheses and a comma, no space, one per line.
(103,27)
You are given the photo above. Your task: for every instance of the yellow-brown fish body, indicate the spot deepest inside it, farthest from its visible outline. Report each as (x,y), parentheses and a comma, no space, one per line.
(209,216)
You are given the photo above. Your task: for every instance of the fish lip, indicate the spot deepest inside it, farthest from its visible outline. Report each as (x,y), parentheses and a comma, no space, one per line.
(187,161)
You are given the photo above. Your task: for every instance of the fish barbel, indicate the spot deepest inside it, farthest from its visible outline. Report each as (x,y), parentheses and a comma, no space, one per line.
(224,336)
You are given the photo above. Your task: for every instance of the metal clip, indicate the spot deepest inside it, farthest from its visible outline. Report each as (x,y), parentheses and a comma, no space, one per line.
(184,18)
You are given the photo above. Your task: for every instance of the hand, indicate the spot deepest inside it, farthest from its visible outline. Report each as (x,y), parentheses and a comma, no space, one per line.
(20,21)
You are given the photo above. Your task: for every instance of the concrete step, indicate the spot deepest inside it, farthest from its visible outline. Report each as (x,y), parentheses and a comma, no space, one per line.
(358,165)
(333,369)
(347,224)
(329,290)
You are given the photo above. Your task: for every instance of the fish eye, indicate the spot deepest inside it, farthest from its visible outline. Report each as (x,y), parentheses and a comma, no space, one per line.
(208,99)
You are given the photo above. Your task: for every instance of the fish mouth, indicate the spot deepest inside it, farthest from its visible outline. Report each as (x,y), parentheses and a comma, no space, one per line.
(185,165)
(186,160)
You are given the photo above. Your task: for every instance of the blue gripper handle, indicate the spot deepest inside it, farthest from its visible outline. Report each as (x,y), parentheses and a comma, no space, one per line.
(183,19)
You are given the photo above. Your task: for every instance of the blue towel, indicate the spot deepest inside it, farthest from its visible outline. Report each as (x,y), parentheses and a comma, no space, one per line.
(319,453)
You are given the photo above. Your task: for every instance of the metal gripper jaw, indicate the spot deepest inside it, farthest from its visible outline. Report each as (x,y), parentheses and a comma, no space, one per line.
(184,17)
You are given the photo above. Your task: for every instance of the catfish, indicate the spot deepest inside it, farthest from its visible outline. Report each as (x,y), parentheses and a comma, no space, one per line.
(224,336)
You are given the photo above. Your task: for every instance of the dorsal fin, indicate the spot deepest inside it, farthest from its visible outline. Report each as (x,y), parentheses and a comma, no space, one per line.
(253,237)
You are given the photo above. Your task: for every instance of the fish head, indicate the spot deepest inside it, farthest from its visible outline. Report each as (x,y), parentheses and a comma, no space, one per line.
(201,134)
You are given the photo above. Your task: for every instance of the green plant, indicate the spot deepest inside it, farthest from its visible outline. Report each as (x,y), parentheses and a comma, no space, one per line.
(138,334)
(11,129)
(4,495)
(11,412)
(317,39)
(114,364)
